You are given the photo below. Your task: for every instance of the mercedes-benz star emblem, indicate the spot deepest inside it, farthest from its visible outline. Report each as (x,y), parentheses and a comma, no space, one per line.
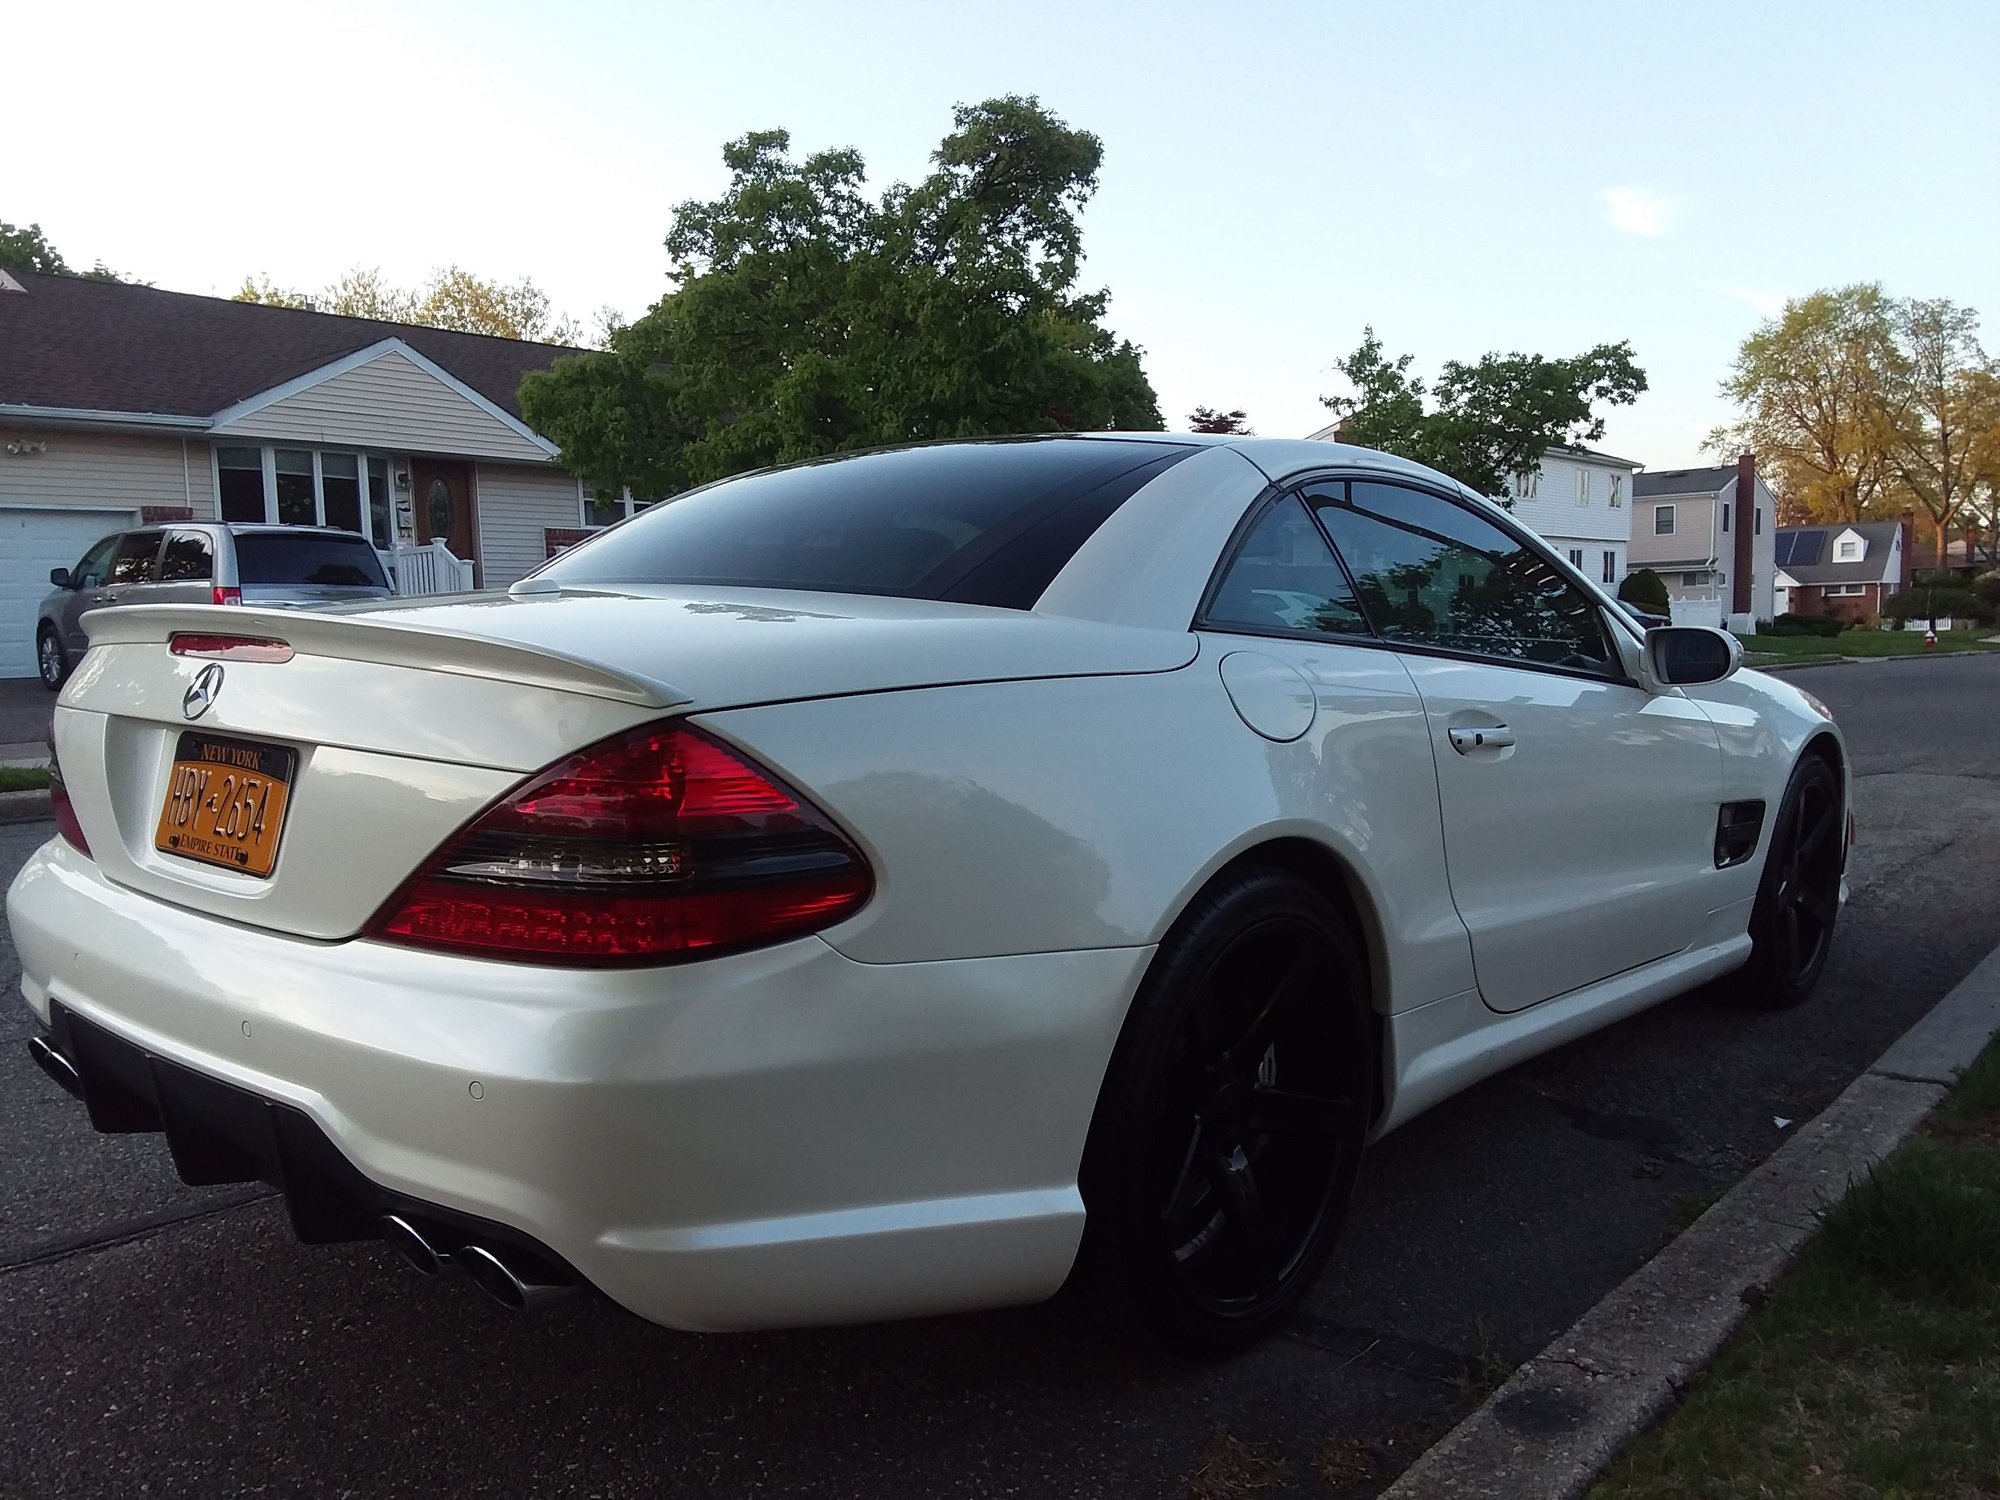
(202,691)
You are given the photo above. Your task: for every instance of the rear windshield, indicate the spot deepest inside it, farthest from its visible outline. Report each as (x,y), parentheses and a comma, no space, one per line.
(980,522)
(276,557)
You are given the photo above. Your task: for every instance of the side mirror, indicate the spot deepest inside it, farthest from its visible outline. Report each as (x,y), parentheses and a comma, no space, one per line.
(59,577)
(1688,655)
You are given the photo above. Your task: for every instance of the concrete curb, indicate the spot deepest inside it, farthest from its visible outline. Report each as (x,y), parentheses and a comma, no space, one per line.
(1858,661)
(24,807)
(1563,1416)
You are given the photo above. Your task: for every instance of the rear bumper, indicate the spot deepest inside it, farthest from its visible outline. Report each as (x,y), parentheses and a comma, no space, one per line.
(775,1138)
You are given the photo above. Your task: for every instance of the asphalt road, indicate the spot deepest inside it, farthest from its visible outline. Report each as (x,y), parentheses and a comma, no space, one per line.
(166,1340)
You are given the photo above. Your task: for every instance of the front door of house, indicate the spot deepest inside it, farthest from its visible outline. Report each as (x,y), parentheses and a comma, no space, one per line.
(443,509)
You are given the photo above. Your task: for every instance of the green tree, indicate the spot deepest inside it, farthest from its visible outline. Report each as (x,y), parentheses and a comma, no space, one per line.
(26,248)
(811,317)
(1814,385)
(1482,423)
(1208,419)
(1645,588)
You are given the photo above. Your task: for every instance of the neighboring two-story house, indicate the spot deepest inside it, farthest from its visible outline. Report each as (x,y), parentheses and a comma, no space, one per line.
(124,404)
(1687,525)
(1845,570)
(1579,502)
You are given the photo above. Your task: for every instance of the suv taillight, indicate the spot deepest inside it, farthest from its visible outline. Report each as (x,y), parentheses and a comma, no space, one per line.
(225,593)
(60,807)
(657,846)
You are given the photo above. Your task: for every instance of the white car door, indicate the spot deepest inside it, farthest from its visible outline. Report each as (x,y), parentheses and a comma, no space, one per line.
(1579,810)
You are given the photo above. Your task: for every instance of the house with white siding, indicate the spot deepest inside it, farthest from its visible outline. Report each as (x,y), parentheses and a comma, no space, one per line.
(1715,552)
(1579,501)
(122,405)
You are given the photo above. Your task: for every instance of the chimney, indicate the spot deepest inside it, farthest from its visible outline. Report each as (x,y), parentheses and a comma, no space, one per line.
(1909,525)
(1743,568)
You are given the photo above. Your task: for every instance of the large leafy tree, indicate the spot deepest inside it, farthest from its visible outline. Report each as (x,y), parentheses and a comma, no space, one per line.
(23,247)
(1482,423)
(1813,385)
(452,298)
(811,317)
(1946,407)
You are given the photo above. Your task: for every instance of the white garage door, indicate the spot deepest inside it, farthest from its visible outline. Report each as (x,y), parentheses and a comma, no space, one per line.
(32,542)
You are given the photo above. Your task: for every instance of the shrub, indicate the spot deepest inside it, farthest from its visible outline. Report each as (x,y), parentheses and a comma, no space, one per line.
(1791,624)
(1646,589)
(1934,601)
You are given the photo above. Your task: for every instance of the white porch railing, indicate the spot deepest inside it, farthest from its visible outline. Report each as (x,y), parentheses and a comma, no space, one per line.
(430,569)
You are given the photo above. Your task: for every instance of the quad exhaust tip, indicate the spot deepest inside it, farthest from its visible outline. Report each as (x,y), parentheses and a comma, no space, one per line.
(509,1287)
(53,1063)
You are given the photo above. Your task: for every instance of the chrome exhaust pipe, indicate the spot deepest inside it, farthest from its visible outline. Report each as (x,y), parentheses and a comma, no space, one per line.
(409,1242)
(58,1067)
(507,1286)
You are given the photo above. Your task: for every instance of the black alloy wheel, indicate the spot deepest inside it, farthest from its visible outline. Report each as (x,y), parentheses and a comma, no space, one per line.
(1231,1123)
(1798,899)
(51,661)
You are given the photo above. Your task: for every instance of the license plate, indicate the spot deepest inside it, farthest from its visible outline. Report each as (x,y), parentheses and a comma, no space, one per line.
(226,802)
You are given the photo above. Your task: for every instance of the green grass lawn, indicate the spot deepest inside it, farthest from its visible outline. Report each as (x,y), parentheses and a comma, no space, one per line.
(1860,643)
(1874,1368)
(23,778)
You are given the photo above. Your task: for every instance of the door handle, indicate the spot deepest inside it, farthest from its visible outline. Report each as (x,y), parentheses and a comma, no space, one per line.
(1484,737)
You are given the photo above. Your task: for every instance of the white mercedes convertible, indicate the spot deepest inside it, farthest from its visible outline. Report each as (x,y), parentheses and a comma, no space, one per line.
(908,881)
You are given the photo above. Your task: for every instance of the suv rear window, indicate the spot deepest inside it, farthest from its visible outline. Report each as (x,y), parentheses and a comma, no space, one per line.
(275,557)
(979,522)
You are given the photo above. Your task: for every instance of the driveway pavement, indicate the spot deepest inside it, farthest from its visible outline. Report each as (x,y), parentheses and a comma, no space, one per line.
(24,711)
(157,1336)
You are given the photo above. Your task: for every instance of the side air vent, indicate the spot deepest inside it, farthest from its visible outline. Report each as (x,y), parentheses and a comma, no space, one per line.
(1737,828)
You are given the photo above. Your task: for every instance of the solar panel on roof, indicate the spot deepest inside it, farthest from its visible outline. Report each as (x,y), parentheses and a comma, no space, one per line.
(1806,547)
(1783,550)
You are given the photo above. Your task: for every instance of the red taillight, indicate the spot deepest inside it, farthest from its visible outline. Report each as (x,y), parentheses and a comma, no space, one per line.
(229,647)
(659,845)
(225,593)
(60,806)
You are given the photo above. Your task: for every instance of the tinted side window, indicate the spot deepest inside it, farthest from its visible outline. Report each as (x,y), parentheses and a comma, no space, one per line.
(186,559)
(90,572)
(1433,573)
(1283,577)
(133,561)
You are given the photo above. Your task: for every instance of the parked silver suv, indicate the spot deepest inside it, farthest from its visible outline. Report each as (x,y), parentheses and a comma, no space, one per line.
(188,562)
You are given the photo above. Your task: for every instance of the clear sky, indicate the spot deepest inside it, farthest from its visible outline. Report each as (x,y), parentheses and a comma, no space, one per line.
(1466,177)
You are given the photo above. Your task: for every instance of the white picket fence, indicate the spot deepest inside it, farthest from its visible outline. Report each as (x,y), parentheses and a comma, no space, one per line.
(430,569)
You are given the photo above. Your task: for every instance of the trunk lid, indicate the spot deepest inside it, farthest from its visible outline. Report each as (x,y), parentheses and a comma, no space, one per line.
(400,721)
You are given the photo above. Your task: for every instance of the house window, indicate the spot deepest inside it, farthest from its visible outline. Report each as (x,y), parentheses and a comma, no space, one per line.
(1844,590)
(601,508)
(1663,520)
(1576,558)
(239,484)
(1611,567)
(1725,515)
(1847,549)
(1583,486)
(1526,484)
(1757,525)
(1693,580)
(1617,490)
(305,487)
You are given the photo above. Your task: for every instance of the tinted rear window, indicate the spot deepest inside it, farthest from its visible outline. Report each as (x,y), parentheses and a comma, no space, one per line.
(981,522)
(277,557)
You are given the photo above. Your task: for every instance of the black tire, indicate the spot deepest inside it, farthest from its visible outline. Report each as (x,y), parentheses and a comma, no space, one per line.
(1798,898)
(1229,1129)
(51,661)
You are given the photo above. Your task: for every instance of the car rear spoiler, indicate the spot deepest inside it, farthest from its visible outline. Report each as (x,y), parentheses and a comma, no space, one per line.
(370,638)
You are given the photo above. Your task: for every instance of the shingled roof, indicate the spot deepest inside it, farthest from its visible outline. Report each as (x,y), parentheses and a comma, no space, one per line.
(1683,482)
(108,346)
